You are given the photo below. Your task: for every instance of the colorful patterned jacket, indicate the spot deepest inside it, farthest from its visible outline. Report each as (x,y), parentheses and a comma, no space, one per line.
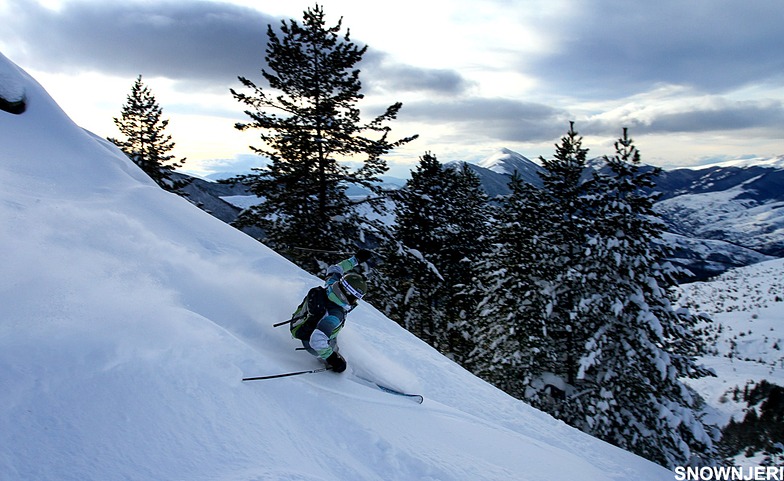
(323,340)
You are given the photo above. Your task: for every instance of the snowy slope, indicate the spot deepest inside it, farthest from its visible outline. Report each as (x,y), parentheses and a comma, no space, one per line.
(706,258)
(747,308)
(130,316)
(729,216)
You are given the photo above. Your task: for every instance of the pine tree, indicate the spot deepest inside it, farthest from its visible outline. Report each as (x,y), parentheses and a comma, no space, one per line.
(421,208)
(564,201)
(513,348)
(531,328)
(406,287)
(577,318)
(145,142)
(467,239)
(440,230)
(421,219)
(630,370)
(309,120)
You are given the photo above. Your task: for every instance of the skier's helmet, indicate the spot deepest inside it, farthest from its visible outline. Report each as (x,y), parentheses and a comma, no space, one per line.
(353,287)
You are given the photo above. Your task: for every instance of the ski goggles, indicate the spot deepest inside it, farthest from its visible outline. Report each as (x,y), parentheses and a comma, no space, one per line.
(349,289)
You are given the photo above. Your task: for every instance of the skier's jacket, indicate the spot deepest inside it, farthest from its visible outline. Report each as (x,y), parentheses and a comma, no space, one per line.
(322,314)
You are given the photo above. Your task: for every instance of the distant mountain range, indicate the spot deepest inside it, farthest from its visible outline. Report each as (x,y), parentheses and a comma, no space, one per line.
(719,217)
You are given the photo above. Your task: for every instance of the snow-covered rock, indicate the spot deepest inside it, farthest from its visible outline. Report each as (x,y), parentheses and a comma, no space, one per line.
(12,91)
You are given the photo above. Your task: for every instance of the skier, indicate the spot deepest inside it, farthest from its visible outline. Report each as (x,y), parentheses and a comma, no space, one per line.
(321,316)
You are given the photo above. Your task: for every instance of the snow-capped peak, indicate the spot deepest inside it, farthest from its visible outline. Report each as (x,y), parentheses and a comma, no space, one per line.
(770,162)
(507,161)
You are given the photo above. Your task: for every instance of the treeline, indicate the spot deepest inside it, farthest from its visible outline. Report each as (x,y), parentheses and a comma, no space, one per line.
(557,295)
(761,432)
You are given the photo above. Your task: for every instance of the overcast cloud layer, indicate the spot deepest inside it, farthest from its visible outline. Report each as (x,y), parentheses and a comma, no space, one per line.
(711,45)
(199,42)
(660,68)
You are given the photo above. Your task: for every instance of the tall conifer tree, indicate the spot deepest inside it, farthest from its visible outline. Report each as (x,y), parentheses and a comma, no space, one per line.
(309,121)
(535,284)
(146,143)
(640,347)
(467,239)
(440,230)
(421,217)
(513,346)
(578,306)
(565,195)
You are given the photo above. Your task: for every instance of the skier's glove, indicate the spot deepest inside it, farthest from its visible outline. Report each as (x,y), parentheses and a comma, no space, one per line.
(337,362)
(363,255)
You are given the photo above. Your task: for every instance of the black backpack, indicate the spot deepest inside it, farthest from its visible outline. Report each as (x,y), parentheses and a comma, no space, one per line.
(309,313)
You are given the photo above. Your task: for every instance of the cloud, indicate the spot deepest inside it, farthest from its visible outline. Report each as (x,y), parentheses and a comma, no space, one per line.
(739,116)
(193,41)
(612,48)
(388,76)
(495,118)
(677,114)
(511,73)
(200,44)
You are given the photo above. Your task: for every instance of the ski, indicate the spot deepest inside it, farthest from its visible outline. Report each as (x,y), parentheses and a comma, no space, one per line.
(418,398)
(415,397)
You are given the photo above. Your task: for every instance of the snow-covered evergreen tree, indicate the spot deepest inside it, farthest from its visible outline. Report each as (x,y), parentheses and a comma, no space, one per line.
(420,222)
(309,121)
(628,387)
(531,329)
(513,347)
(576,316)
(405,288)
(565,285)
(466,240)
(145,142)
(441,228)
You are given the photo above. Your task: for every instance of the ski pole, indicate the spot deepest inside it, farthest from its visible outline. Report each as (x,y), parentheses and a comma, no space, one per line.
(323,251)
(273,376)
(281,323)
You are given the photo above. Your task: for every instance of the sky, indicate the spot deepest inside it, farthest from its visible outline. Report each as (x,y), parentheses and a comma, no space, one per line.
(695,81)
